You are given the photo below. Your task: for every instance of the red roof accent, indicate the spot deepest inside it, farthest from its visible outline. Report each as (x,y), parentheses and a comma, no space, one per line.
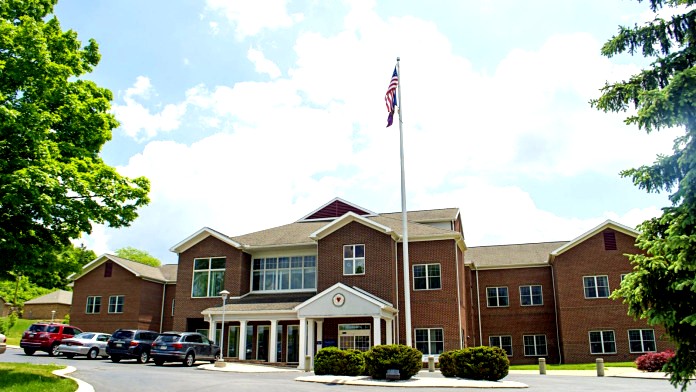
(335,210)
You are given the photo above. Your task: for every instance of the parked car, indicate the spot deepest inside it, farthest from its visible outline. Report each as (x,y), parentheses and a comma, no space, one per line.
(130,343)
(46,337)
(91,344)
(184,347)
(3,343)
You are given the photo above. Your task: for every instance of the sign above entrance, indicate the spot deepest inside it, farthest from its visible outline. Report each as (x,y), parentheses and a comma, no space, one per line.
(339,299)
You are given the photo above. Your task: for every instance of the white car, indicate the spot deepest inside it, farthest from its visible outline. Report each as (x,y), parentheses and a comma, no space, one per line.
(3,343)
(91,344)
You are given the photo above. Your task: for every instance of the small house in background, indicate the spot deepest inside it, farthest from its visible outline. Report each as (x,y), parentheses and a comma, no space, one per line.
(5,307)
(41,308)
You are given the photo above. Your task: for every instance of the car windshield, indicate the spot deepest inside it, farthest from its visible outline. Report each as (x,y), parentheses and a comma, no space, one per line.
(122,335)
(168,338)
(84,335)
(37,328)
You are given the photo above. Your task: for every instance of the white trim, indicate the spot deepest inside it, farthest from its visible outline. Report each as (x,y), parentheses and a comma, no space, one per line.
(347,218)
(536,354)
(608,224)
(427,281)
(531,296)
(601,335)
(209,270)
(199,236)
(595,286)
(500,338)
(642,341)
(335,199)
(497,296)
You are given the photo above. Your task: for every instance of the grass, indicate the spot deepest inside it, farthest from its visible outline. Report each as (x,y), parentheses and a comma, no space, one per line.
(14,335)
(24,377)
(573,366)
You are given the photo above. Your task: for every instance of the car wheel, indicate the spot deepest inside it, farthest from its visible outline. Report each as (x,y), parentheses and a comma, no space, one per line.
(144,357)
(189,360)
(29,351)
(70,355)
(93,353)
(115,358)
(54,350)
(158,362)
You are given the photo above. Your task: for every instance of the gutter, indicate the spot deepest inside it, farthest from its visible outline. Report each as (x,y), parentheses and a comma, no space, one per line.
(478,305)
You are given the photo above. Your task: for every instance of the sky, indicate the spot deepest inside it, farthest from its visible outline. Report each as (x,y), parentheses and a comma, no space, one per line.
(246,115)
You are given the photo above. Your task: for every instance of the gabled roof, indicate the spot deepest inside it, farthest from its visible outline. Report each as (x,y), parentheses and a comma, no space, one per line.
(347,218)
(163,274)
(334,209)
(199,236)
(510,256)
(608,224)
(370,298)
(56,297)
(427,216)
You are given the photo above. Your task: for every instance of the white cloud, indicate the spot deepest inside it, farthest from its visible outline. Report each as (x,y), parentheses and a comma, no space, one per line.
(251,17)
(262,64)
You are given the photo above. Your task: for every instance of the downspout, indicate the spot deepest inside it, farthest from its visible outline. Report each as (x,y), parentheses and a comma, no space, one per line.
(459,298)
(555,312)
(478,306)
(164,295)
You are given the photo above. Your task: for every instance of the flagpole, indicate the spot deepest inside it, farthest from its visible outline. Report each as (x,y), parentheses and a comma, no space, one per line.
(407,279)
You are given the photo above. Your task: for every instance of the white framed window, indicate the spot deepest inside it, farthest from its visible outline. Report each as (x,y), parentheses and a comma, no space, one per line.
(208,277)
(354,337)
(602,342)
(596,286)
(497,297)
(531,295)
(93,304)
(534,345)
(116,304)
(353,259)
(173,305)
(504,342)
(426,277)
(430,341)
(641,340)
(623,276)
(284,273)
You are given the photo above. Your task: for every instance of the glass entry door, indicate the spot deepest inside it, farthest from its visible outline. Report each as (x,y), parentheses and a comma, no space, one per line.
(262,336)
(233,342)
(354,337)
(293,343)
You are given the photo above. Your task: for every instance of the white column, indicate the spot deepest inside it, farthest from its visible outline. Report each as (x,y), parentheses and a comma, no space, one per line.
(320,335)
(273,349)
(377,328)
(311,342)
(211,330)
(303,342)
(242,340)
(390,337)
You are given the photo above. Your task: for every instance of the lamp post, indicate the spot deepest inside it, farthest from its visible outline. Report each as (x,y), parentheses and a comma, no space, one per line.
(53,315)
(221,361)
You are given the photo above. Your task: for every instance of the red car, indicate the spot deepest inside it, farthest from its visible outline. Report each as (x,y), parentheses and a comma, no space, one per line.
(46,337)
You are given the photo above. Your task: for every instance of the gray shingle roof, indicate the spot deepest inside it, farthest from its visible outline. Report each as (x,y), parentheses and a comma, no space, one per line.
(510,256)
(56,297)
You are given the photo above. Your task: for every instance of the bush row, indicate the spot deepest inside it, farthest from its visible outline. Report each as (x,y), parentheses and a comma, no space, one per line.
(475,363)
(654,362)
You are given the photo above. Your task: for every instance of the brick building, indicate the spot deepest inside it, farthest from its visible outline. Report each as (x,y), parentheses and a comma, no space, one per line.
(52,306)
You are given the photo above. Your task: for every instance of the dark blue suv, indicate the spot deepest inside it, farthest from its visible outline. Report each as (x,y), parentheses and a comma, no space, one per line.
(130,343)
(184,347)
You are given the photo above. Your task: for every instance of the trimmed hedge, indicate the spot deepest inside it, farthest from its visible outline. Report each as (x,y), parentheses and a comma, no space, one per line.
(337,362)
(379,359)
(475,363)
(654,362)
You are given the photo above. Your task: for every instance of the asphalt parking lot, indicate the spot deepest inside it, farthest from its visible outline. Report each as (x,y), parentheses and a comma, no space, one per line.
(106,376)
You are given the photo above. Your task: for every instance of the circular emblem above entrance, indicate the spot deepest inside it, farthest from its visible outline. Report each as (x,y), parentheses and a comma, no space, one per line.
(339,299)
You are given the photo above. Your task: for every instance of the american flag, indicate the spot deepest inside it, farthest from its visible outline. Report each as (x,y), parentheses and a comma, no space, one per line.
(390,97)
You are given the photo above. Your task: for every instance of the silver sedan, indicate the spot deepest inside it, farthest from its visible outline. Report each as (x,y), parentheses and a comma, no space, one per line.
(91,344)
(3,343)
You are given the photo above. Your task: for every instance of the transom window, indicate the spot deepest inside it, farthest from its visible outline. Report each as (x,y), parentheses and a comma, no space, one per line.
(93,305)
(602,342)
(430,341)
(641,340)
(354,337)
(504,342)
(497,296)
(116,304)
(531,295)
(596,286)
(284,273)
(534,345)
(353,259)
(208,276)
(426,277)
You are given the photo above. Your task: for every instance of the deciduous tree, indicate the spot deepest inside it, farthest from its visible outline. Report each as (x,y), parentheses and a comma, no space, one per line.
(138,255)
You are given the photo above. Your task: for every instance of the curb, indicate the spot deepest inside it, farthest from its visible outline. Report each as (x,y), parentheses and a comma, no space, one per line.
(82,386)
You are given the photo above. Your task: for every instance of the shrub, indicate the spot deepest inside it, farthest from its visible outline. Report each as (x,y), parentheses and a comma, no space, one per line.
(379,359)
(654,362)
(475,363)
(337,362)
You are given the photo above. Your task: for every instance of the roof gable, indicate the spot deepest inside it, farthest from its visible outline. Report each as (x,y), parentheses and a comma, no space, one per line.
(140,270)
(199,236)
(342,300)
(334,209)
(348,218)
(608,224)
(55,297)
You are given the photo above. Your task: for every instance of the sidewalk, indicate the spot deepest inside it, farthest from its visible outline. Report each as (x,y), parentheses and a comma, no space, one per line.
(608,372)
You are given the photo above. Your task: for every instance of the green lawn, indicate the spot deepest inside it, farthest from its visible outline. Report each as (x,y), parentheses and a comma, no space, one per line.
(14,335)
(573,366)
(24,377)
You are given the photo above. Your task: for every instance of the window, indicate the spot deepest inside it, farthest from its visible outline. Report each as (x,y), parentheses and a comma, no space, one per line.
(623,276)
(284,273)
(208,276)
(354,337)
(430,341)
(497,296)
(116,304)
(534,345)
(531,295)
(426,277)
(596,286)
(173,303)
(602,342)
(504,342)
(93,305)
(353,259)
(641,340)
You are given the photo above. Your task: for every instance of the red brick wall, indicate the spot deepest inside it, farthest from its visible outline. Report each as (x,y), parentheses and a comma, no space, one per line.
(579,315)
(43,311)
(237,266)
